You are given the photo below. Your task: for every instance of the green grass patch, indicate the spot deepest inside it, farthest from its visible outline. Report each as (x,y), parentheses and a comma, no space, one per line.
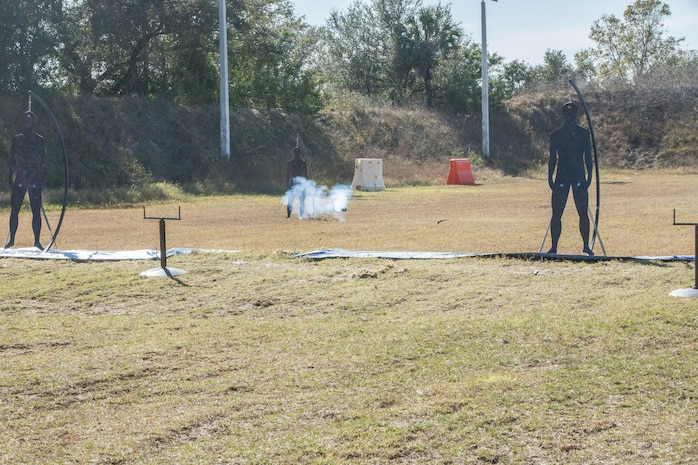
(256,359)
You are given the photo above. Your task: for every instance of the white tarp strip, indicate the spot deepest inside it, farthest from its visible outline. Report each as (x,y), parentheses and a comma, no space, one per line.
(98,255)
(89,255)
(341,253)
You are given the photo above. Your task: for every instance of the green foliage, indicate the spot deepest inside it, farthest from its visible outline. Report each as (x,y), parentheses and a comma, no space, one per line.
(391,49)
(555,68)
(115,48)
(355,54)
(628,49)
(517,76)
(433,36)
(26,42)
(189,58)
(159,49)
(351,361)
(267,55)
(145,74)
(131,143)
(384,50)
(457,81)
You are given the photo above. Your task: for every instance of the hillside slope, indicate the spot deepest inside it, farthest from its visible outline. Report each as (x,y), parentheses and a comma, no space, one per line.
(123,142)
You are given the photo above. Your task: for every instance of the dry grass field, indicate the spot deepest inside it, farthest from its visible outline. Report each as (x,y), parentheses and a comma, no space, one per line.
(500,214)
(257,357)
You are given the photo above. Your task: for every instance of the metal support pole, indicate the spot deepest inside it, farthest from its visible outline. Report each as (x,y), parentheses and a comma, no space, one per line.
(163,239)
(163,244)
(485,88)
(545,238)
(695,263)
(224,92)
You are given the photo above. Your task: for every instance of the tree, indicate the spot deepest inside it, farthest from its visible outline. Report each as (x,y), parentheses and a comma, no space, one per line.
(584,64)
(122,47)
(433,36)
(458,80)
(555,68)
(390,48)
(267,58)
(356,57)
(26,42)
(627,50)
(368,49)
(516,77)
(187,59)
(395,17)
(160,49)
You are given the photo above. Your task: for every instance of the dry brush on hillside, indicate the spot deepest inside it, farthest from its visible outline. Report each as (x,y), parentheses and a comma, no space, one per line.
(132,142)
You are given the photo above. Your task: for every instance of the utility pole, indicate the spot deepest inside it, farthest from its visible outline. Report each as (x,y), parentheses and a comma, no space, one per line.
(224,96)
(485,86)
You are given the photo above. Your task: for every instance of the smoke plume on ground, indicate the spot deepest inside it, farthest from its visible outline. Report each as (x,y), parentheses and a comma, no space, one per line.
(317,201)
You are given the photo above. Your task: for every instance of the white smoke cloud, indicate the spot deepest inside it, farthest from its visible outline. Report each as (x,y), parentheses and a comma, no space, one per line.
(317,201)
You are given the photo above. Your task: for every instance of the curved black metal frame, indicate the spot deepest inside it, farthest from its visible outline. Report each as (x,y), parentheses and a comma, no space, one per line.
(596,162)
(46,108)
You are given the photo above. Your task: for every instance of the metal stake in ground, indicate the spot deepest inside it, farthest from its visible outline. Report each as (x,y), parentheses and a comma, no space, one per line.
(163,270)
(693,291)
